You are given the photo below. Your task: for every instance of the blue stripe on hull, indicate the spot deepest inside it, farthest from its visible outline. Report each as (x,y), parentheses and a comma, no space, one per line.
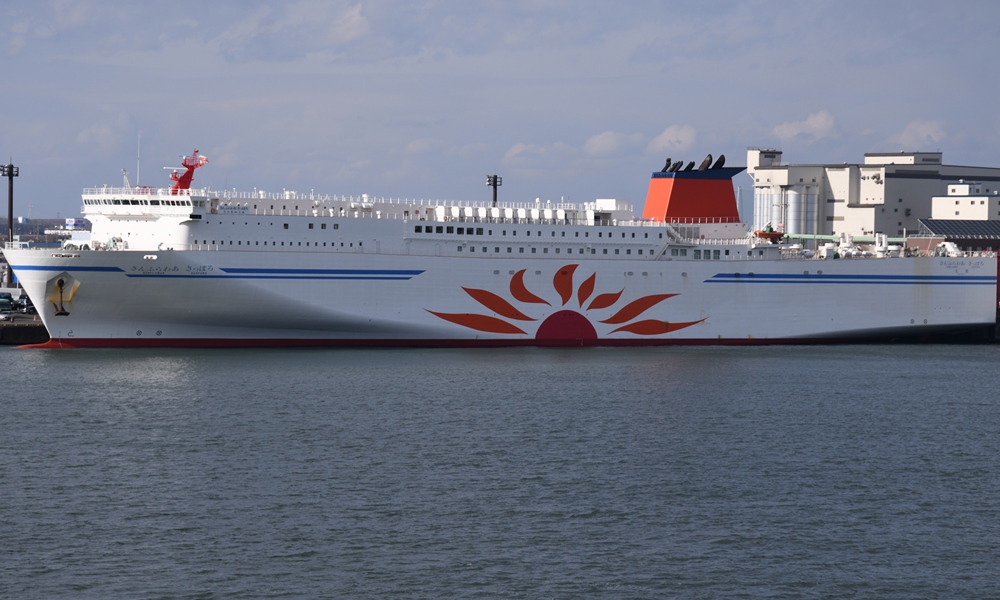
(817,278)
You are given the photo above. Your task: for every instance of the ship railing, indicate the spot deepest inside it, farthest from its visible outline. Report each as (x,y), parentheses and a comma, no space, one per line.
(702,220)
(289,195)
(140,190)
(370,211)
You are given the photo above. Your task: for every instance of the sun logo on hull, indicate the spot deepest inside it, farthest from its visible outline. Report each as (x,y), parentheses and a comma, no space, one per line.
(565,323)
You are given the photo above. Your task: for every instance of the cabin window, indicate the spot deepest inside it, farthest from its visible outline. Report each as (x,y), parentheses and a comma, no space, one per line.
(450,229)
(322,225)
(418,229)
(479,231)
(715,254)
(697,253)
(310,226)
(285,226)
(461,231)
(439,229)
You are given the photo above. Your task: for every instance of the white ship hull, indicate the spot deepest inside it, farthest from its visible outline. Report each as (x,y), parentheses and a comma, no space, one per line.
(184,267)
(208,298)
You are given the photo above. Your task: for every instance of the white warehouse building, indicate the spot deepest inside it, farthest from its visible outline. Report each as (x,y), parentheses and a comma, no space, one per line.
(889,193)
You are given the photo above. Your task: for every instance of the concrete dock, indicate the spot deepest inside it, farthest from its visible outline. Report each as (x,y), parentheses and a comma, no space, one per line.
(24,329)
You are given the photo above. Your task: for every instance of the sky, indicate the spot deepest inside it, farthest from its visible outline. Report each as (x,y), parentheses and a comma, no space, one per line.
(565,100)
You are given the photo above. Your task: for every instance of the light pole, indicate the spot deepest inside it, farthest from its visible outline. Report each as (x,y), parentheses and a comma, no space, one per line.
(494,181)
(10,172)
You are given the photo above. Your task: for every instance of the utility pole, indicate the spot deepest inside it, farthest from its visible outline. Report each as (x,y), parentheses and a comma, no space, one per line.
(494,181)
(10,172)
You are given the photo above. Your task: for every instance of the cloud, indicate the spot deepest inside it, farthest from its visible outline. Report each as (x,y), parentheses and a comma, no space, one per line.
(106,134)
(675,138)
(609,142)
(536,155)
(421,146)
(919,135)
(290,32)
(522,151)
(816,126)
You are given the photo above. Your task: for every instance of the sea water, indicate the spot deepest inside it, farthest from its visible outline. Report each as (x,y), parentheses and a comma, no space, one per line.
(773,472)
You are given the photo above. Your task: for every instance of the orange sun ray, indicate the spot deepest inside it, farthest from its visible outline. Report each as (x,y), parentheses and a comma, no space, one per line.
(586,289)
(563,282)
(636,307)
(520,292)
(479,322)
(654,327)
(497,304)
(605,300)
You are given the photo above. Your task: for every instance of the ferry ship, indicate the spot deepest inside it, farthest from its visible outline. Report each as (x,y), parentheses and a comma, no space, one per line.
(186,267)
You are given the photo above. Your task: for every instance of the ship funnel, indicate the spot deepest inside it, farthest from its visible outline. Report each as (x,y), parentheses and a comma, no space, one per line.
(704,196)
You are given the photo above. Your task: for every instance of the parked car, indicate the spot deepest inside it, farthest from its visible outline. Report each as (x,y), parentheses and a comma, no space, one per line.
(6,315)
(25,306)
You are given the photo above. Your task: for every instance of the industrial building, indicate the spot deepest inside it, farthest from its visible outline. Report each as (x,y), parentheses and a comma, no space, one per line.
(889,193)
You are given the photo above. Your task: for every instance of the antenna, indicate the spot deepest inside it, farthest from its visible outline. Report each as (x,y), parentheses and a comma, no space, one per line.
(138,153)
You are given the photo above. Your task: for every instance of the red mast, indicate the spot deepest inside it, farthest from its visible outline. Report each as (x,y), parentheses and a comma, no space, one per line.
(190,163)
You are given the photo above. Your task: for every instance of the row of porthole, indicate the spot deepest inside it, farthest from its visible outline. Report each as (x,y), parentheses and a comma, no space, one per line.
(257,243)
(545,250)
(479,231)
